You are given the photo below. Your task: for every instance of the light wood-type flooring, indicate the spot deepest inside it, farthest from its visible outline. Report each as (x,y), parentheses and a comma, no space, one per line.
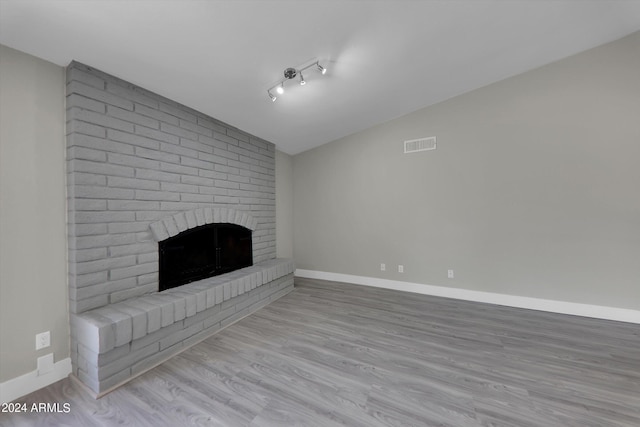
(332,354)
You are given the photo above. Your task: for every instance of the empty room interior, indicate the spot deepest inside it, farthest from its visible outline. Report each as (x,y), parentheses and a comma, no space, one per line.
(320,213)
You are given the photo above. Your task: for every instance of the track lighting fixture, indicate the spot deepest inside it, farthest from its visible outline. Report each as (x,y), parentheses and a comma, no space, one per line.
(291,73)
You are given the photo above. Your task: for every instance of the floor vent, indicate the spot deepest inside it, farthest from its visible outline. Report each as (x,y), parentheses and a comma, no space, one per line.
(421,144)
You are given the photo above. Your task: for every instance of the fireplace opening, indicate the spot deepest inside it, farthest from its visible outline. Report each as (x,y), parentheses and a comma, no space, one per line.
(202,252)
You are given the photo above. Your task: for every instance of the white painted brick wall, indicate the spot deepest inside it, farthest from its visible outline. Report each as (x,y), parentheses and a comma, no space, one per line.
(134,158)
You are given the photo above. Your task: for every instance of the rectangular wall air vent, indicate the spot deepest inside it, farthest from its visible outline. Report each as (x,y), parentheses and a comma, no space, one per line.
(421,144)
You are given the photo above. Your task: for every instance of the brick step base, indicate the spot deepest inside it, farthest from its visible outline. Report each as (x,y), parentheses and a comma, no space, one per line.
(118,342)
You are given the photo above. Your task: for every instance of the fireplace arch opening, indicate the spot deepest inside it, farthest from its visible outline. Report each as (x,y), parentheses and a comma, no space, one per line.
(202,252)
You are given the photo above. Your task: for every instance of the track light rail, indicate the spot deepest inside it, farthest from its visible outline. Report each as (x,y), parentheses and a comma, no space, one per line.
(290,74)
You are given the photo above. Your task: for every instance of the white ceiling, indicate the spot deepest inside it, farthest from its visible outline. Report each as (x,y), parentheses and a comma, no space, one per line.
(384,58)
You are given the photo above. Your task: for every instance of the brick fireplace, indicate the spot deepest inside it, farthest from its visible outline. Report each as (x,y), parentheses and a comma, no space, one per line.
(142,168)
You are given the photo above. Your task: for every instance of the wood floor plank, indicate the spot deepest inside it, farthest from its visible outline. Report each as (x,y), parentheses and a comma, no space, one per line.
(331,354)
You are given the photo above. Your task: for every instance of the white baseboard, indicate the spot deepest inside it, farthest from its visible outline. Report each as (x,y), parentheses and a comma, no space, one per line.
(563,307)
(30,382)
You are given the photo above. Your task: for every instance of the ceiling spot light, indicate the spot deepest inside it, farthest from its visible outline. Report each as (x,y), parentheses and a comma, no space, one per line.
(290,73)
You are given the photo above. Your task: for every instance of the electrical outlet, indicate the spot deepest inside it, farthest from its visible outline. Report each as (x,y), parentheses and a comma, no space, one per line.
(400,268)
(383,267)
(450,274)
(43,340)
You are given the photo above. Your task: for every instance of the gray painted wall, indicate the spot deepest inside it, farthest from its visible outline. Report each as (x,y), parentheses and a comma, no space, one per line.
(532,191)
(33,276)
(284,205)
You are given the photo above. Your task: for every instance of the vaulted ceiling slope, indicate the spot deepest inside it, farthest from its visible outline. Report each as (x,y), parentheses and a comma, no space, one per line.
(384,58)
